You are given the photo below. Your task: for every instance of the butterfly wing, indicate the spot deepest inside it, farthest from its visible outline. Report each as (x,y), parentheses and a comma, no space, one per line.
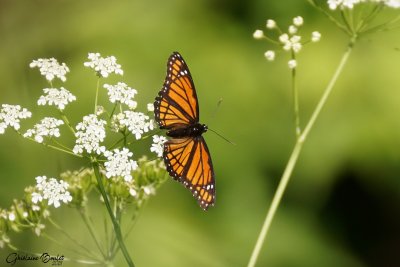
(176,104)
(188,161)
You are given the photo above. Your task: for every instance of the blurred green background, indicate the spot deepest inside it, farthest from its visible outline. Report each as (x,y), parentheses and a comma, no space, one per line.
(342,206)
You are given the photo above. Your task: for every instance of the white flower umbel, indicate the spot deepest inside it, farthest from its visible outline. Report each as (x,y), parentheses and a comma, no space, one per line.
(90,132)
(11,115)
(56,97)
(349,4)
(158,145)
(52,190)
(103,66)
(50,68)
(136,122)
(291,43)
(334,4)
(119,164)
(121,93)
(47,127)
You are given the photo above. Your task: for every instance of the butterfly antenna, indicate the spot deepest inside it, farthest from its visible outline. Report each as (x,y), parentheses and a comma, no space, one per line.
(220,135)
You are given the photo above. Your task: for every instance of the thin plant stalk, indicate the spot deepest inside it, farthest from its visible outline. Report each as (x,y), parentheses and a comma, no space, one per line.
(117,228)
(295,155)
(296,108)
(91,230)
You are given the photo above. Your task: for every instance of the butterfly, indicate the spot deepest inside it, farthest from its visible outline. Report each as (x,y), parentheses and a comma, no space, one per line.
(186,154)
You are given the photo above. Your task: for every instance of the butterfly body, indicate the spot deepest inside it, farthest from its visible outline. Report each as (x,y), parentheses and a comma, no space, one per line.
(186,154)
(193,130)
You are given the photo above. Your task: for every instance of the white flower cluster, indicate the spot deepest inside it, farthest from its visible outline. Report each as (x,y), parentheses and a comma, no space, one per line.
(158,145)
(103,66)
(121,93)
(90,132)
(47,127)
(50,68)
(290,41)
(56,97)
(349,4)
(52,190)
(11,115)
(136,122)
(119,164)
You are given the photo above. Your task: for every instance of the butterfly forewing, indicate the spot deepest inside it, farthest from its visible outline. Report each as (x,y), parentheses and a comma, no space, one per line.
(177,101)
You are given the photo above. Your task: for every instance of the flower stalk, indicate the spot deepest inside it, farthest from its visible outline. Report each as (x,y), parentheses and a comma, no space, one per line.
(295,155)
(117,228)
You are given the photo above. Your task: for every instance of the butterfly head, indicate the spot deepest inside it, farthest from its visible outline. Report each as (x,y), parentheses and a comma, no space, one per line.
(204,128)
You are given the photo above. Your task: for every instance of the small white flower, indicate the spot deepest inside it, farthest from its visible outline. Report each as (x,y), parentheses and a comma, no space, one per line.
(119,164)
(11,216)
(149,190)
(132,192)
(122,93)
(50,68)
(90,132)
(334,4)
(392,3)
(52,190)
(11,115)
(38,229)
(56,97)
(270,55)
(150,107)
(136,122)
(315,36)
(47,127)
(99,110)
(298,21)
(158,145)
(35,207)
(292,64)
(258,34)
(292,29)
(103,66)
(25,214)
(284,38)
(270,24)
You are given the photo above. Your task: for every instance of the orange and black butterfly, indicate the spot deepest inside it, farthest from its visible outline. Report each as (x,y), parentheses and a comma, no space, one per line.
(186,154)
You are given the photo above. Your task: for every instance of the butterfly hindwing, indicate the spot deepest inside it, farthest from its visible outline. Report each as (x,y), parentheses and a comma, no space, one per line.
(189,162)
(177,101)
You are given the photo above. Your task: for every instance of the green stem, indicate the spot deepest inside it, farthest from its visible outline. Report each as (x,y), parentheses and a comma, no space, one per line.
(294,156)
(330,17)
(114,221)
(66,121)
(72,239)
(51,146)
(295,100)
(91,231)
(97,96)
